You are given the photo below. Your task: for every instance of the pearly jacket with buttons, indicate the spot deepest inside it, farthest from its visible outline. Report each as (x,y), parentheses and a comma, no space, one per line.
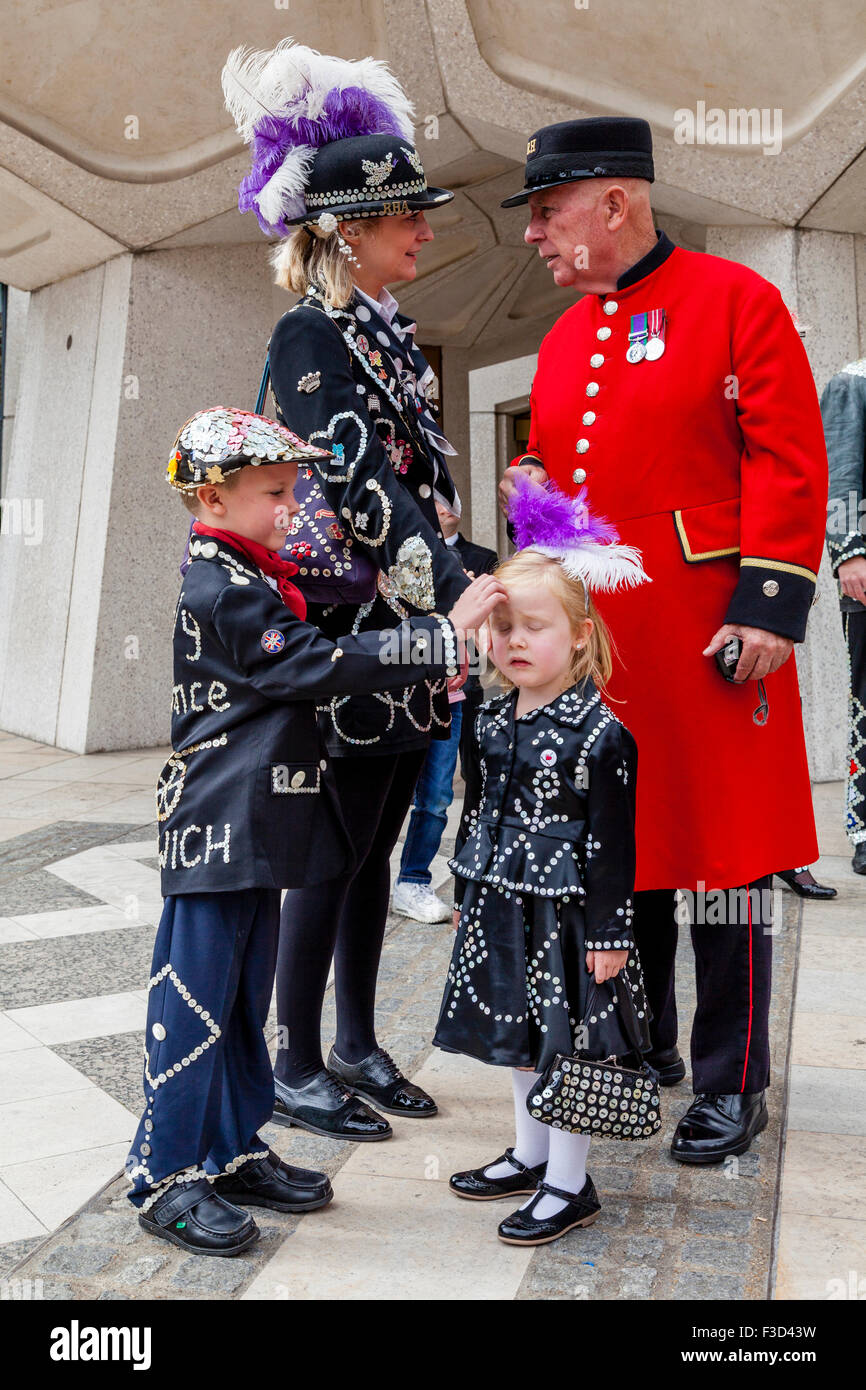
(709,458)
(246,799)
(549,809)
(843,410)
(348,378)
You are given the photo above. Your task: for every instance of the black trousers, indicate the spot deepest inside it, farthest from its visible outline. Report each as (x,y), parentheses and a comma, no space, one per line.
(854,625)
(343,920)
(733,943)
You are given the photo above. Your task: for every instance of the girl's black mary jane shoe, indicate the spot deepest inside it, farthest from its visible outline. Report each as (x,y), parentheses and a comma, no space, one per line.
(475,1184)
(523,1228)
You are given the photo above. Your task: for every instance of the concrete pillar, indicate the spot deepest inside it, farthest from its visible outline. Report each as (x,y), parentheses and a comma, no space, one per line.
(493,391)
(455,422)
(17,303)
(116,359)
(816,273)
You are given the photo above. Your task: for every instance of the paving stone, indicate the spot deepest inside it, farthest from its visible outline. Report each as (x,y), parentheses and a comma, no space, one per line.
(718,1254)
(142,1269)
(693,1286)
(644,1247)
(78,1258)
(14,1251)
(75,967)
(54,1291)
(199,1274)
(612,1179)
(113,1063)
(113,1296)
(118,1227)
(724,1221)
(662,1184)
(637,1280)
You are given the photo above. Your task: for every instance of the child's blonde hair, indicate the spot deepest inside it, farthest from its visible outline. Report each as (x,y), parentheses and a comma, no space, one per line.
(595,657)
(309,256)
(189,497)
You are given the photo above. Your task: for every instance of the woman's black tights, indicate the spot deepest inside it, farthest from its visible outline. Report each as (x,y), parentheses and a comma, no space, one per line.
(344,919)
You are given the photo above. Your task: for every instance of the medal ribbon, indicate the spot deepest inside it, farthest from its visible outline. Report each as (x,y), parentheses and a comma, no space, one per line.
(657,323)
(638,333)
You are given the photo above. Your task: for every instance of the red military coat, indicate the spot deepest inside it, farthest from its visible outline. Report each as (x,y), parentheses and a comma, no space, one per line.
(711,461)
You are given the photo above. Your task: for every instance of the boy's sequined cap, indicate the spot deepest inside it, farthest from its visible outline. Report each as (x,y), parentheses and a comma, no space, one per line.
(219,441)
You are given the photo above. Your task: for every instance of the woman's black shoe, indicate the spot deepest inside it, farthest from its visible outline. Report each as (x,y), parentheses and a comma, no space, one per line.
(669,1064)
(478,1188)
(522,1228)
(192,1216)
(269,1182)
(324,1106)
(803,883)
(379,1080)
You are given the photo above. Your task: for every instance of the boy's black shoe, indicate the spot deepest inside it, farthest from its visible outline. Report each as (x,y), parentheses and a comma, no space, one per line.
(269,1182)
(474,1184)
(379,1080)
(669,1064)
(716,1126)
(191,1215)
(324,1106)
(581,1209)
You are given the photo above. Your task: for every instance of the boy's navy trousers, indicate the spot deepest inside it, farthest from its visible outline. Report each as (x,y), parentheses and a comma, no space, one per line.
(208,1079)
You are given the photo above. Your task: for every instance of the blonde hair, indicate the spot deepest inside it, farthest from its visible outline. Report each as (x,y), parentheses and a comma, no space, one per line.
(309,256)
(595,658)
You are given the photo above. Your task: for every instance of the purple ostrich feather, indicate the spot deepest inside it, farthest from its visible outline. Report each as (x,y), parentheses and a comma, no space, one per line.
(346,112)
(549,517)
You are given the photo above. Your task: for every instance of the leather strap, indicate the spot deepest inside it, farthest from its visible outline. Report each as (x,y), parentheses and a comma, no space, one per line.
(508,1157)
(573,1197)
(174,1204)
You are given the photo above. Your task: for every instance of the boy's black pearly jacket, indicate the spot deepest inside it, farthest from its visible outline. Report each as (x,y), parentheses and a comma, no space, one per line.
(357,385)
(246,799)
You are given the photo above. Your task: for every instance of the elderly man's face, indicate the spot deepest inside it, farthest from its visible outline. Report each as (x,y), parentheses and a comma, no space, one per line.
(572,222)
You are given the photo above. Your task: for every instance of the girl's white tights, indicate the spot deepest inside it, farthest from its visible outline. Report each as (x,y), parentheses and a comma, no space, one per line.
(565,1153)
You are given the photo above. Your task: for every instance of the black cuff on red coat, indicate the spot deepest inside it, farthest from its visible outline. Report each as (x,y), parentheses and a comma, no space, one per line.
(774,599)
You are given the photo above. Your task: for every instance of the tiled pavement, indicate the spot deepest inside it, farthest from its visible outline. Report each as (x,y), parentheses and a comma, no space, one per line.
(78,904)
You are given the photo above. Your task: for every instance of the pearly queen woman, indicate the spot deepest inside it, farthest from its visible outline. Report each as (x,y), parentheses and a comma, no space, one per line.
(336,176)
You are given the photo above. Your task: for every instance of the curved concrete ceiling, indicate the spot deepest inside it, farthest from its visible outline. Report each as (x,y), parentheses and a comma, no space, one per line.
(654,59)
(137,96)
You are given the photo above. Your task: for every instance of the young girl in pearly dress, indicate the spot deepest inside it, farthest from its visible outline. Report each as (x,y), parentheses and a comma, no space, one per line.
(544,868)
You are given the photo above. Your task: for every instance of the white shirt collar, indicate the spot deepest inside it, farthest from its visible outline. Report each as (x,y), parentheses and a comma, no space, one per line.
(451,540)
(385,306)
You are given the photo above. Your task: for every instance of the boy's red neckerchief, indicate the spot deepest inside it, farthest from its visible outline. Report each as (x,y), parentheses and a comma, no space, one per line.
(268,561)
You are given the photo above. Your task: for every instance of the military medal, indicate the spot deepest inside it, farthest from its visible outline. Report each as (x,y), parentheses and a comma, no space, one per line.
(637,338)
(656,345)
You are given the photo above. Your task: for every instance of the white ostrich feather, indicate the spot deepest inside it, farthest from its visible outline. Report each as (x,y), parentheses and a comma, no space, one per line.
(283,195)
(601,567)
(292,79)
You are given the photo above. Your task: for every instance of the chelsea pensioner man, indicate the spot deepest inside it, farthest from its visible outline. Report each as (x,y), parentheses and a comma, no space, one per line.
(678,390)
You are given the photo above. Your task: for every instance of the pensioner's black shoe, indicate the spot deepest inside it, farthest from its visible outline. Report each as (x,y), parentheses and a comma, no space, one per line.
(858,863)
(380,1081)
(805,885)
(716,1126)
(192,1216)
(474,1183)
(269,1182)
(523,1228)
(324,1106)
(669,1064)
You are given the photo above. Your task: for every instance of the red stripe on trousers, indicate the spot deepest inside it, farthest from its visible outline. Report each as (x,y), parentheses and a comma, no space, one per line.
(749,1033)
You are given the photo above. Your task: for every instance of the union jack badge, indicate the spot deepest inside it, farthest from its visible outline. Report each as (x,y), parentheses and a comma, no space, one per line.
(273,640)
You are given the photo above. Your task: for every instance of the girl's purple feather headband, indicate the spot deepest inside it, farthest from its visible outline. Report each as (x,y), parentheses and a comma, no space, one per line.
(587,546)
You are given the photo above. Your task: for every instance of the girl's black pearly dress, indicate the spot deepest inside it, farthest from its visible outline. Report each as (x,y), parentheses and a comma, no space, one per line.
(544,871)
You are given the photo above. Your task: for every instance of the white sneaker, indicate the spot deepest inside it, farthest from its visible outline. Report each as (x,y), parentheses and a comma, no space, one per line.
(419,901)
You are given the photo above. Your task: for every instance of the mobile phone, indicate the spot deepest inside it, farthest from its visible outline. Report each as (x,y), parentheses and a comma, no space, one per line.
(728,657)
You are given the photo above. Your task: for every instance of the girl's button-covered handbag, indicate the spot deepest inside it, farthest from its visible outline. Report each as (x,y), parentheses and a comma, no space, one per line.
(597,1097)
